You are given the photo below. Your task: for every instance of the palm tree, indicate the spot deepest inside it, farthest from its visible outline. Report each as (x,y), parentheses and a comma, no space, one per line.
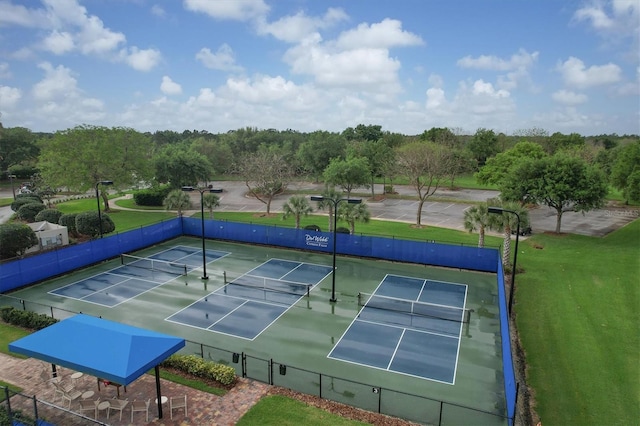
(508,221)
(297,206)
(352,213)
(330,195)
(177,200)
(211,201)
(478,217)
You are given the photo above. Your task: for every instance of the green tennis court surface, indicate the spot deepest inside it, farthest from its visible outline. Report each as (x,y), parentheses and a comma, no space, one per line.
(309,327)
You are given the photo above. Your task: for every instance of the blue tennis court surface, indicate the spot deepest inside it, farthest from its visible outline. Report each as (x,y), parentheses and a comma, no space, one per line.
(409,325)
(249,304)
(137,276)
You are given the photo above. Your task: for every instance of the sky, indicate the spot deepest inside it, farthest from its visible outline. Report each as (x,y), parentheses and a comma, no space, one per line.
(406,65)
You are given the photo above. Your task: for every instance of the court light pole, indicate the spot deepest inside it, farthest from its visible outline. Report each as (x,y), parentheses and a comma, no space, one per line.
(13,189)
(335,202)
(500,210)
(105,183)
(202,192)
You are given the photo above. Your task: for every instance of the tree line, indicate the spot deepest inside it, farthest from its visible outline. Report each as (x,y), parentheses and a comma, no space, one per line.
(531,166)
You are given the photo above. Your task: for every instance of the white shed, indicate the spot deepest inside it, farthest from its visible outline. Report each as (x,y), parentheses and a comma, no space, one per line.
(50,235)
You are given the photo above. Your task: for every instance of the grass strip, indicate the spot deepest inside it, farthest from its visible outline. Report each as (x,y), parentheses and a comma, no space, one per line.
(277,410)
(578,318)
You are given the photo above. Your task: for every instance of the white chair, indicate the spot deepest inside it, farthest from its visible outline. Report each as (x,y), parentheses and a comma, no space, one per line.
(178,402)
(70,396)
(140,406)
(117,404)
(89,405)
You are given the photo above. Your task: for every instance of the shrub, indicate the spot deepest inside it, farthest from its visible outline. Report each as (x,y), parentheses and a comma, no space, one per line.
(87,223)
(21,201)
(151,196)
(25,319)
(28,212)
(201,368)
(68,220)
(50,215)
(342,230)
(313,228)
(30,195)
(15,239)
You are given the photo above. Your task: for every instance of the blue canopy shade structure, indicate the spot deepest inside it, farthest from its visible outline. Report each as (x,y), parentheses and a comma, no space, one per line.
(106,349)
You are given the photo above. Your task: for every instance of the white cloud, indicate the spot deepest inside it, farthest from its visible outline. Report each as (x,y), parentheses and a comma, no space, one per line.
(237,10)
(141,59)
(357,68)
(486,89)
(59,42)
(294,28)
(567,97)
(576,74)
(157,10)
(520,60)
(11,14)
(60,102)
(58,83)
(169,87)
(223,60)
(4,70)
(385,34)
(9,97)
(435,98)
(619,17)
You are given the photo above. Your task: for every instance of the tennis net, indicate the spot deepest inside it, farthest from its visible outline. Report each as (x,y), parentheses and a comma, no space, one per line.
(154,264)
(270,284)
(412,307)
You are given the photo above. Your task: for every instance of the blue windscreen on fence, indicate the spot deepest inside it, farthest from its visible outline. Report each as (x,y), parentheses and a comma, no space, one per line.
(427,253)
(507,361)
(18,273)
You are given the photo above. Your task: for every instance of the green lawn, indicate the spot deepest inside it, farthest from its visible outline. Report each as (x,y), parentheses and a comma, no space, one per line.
(577,307)
(8,334)
(278,410)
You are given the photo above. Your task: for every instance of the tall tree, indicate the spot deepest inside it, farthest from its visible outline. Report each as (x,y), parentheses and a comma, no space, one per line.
(426,165)
(499,168)
(266,174)
(625,170)
(329,194)
(478,218)
(177,200)
(178,165)
(78,158)
(352,213)
(483,145)
(297,206)
(347,174)
(378,155)
(18,147)
(561,182)
(318,150)
(210,202)
(507,222)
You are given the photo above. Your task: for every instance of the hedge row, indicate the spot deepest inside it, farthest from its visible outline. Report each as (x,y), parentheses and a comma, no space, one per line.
(201,368)
(25,319)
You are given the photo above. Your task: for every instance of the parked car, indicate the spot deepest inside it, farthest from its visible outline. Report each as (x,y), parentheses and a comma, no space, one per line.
(523,231)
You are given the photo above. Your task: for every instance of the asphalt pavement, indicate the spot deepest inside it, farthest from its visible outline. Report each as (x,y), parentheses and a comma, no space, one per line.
(444,209)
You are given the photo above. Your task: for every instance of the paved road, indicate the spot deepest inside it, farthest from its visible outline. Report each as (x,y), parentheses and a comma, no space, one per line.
(447,211)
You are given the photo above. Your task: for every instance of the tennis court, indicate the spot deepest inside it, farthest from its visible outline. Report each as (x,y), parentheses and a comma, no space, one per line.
(273,305)
(249,304)
(409,325)
(137,275)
